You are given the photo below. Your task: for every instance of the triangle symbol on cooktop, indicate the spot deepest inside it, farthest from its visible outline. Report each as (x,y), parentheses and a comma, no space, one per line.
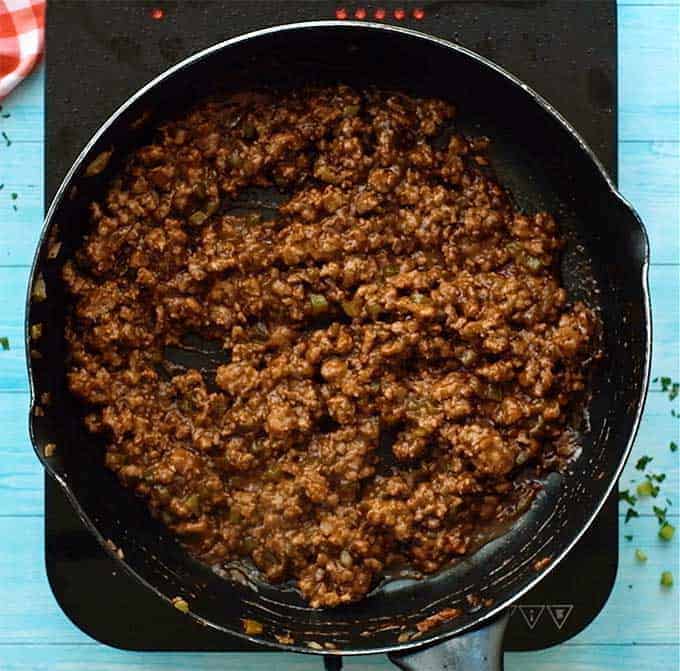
(531,614)
(559,613)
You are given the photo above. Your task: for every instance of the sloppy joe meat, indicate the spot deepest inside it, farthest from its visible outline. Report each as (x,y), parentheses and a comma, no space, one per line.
(394,345)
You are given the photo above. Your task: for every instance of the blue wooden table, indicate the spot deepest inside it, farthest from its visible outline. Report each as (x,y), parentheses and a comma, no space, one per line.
(638,628)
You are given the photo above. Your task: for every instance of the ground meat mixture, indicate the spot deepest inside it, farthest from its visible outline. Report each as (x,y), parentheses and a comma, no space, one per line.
(393,345)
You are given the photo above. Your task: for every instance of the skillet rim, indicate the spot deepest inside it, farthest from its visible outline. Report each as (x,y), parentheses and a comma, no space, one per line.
(547,107)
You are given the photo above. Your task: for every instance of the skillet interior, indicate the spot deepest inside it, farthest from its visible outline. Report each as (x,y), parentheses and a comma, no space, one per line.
(545,167)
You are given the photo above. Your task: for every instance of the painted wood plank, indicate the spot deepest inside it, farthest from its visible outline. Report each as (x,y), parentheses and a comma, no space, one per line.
(99,658)
(649,177)
(26,111)
(21,477)
(664,280)
(648,111)
(648,3)
(29,613)
(647,38)
(649,174)
(639,609)
(649,60)
(648,88)
(657,430)
(665,293)
(13,282)
(21,174)
(594,658)
(21,480)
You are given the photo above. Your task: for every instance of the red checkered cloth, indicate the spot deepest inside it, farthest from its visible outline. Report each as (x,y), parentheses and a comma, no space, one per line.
(22,37)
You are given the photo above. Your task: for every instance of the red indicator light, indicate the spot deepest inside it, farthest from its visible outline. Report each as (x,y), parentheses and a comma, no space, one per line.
(418,13)
(157,14)
(399,14)
(360,13)
(341,13)
(379,14)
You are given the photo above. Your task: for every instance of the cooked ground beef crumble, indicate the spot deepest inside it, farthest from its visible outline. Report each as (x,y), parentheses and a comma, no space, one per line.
(395,346)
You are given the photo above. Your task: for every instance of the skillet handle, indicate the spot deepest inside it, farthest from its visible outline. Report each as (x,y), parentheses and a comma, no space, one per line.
(478,650)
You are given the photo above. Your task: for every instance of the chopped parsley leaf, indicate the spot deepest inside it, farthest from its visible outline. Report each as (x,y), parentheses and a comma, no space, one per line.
(8,142)
(653,477)
(628,537)
(626,496)
(673,446)
(660,514)
(668,386)
(4,343)
(642,462)
(630,514)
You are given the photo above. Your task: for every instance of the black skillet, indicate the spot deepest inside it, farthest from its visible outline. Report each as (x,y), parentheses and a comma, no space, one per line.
(545,164)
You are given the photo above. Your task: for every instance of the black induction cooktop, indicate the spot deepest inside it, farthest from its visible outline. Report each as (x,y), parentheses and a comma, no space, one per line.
(100,52)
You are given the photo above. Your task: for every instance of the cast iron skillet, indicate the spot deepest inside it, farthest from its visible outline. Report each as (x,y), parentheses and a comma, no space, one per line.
(546,165)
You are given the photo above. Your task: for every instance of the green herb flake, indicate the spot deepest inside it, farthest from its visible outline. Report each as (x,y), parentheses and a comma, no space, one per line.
(660,514)
(642,462)
(640,555)
(15,196)
(350,110)
(319,303)
(666,532)
(673,446)
(626,496)
(656,477)
(8,142)
(630,514)
(666,579)
(668,386)
(4,343)
(628,537)
(198,218)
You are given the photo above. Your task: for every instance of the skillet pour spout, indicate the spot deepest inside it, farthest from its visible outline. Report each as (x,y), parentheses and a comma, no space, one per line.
(547,165)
